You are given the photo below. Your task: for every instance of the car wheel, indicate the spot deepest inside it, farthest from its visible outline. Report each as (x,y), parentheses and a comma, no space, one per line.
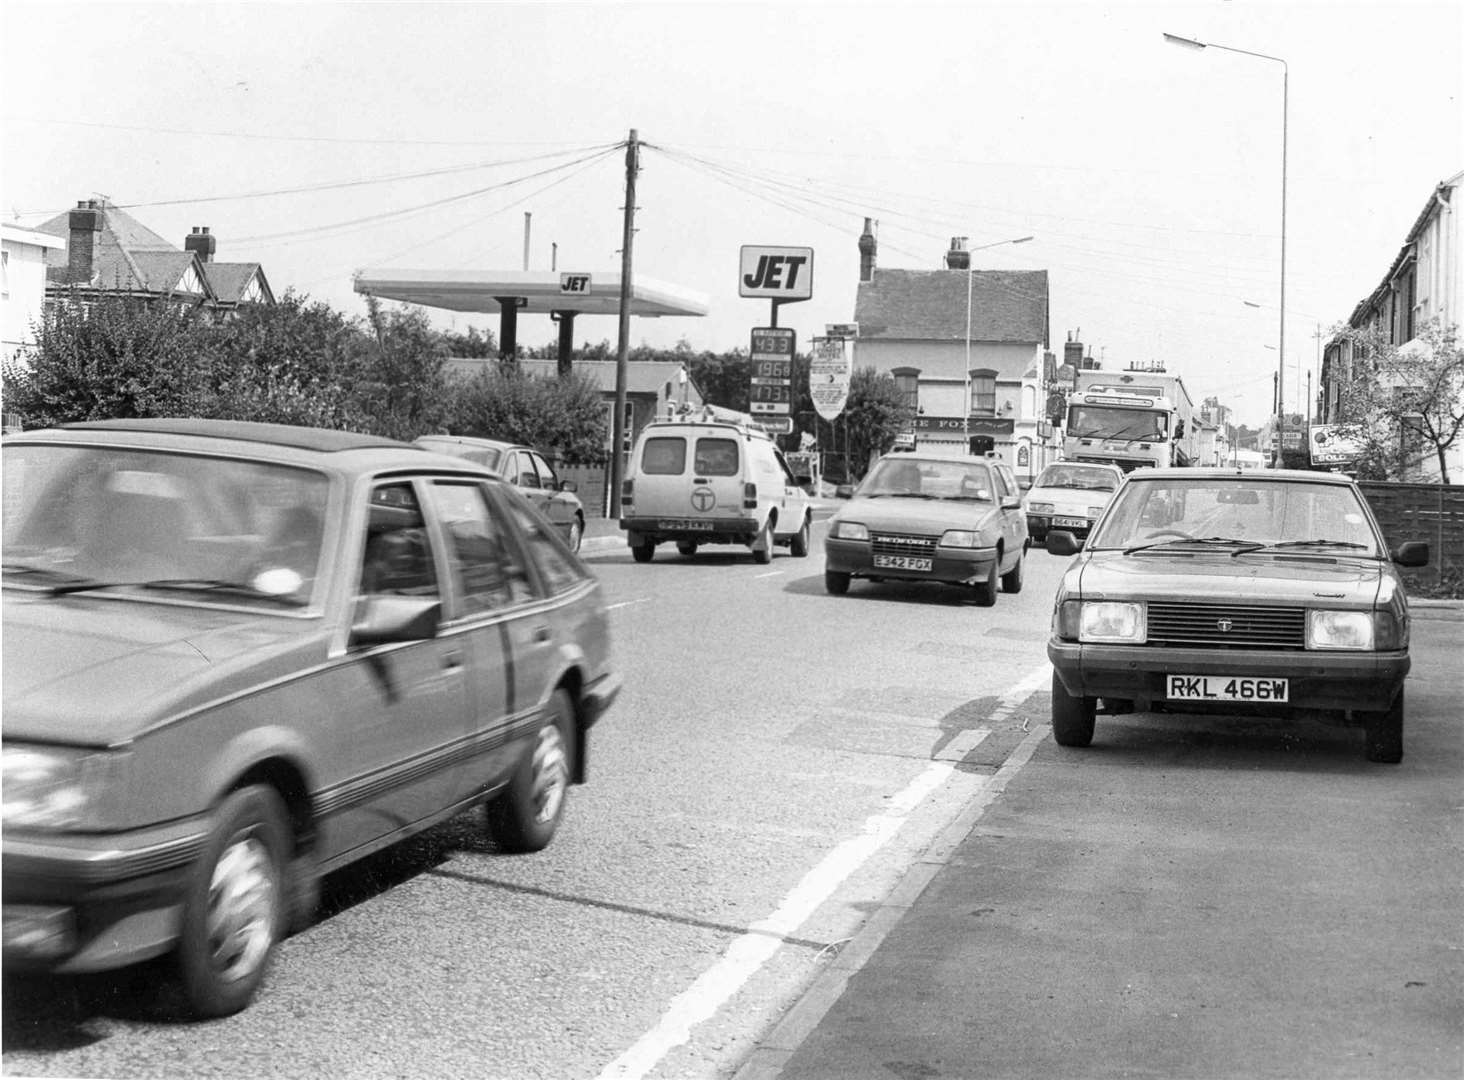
(799,547)
(1385,733)
(642,552)
(525,816)
(1011,581)
(835,583)
(576,533)
(1072,717)
(686,548)
(986,591)
(234,904)
(762,547)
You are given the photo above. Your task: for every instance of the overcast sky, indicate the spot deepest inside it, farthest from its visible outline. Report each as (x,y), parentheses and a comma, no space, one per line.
(1149,174)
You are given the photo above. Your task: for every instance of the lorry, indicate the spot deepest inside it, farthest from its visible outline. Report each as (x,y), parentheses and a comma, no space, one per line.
(1130,419)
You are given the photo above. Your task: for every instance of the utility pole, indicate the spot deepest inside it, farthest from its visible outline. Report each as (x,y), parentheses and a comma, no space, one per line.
(622,352)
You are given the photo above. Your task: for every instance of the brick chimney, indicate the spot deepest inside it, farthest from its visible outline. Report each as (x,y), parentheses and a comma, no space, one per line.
(867,247)
(1072,352)
(81,249)
(201,243)
(958,257)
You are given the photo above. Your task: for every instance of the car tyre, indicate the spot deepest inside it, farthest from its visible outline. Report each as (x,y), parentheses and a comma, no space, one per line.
(526,815)
(1384,733)
(642,552)
(835,583)
(1011,581)
(1072,717)
(234,903)
(986,591)
(799,547)
(576,533)
(762,547)
(686,548)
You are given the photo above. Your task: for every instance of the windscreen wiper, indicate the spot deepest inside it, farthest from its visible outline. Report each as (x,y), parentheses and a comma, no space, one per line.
(219,585)
(1243,546)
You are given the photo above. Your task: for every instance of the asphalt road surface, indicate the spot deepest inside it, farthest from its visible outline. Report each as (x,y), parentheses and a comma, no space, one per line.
(778,761)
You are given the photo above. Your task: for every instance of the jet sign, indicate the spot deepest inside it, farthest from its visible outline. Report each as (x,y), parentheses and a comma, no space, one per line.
(779,273)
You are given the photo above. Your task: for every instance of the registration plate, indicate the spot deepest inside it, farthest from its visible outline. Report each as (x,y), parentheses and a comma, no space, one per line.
(684,523)
(1070,523)
(901,562)
(1225,688)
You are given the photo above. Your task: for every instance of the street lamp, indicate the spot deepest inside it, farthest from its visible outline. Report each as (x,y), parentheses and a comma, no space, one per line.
(1191,43)
(970,269)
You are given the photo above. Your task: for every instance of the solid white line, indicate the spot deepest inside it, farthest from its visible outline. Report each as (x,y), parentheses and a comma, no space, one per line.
(752,949)
(626,603)
(771,573)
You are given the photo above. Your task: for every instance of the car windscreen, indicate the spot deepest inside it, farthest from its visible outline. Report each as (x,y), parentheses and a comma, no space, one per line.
(487,456)
(903,475)
(1239,511)
(1109,422)
(206,528)
(1079,477)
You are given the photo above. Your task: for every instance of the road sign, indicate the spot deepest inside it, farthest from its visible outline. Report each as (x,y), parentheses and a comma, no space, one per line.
(772,370)
(779,273)
(828,376)
(842,329)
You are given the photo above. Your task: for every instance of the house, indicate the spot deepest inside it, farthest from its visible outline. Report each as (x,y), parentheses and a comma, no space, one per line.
(107,251)
(23,264)
(967,347)
(1423,285)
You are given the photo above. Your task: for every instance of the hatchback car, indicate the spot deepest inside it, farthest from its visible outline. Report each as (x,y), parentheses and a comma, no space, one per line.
(526,469)
(239,656)
(1268,592)
(923,517)
(1069,495)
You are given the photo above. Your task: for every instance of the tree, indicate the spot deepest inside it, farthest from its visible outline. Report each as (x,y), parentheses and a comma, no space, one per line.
(401,391)
(1403,403)
(874,414)
(117,356)
(563,417)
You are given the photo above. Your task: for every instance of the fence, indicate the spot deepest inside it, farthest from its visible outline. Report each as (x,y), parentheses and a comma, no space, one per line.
(1433,513)
(591,481)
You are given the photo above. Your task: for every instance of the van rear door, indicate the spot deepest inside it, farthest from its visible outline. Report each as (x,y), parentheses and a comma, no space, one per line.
(690,476)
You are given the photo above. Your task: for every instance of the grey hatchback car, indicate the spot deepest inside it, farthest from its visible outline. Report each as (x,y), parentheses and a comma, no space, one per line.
(239,656)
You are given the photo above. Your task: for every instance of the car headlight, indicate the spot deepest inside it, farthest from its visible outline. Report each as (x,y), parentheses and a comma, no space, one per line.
(1039,508)
(849,530)
(960,538)
(1112,622)
(53,789)
(1340,630)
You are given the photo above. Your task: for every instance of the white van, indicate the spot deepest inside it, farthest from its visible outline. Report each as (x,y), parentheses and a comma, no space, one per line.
(701,480)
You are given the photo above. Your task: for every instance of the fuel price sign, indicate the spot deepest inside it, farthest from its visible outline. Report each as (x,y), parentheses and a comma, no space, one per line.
(771,392)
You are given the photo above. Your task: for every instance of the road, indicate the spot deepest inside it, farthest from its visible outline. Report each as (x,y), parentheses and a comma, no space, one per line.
(777,762)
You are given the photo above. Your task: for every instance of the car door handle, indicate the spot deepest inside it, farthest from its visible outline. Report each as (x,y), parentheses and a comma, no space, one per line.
(453,660)
(541,634)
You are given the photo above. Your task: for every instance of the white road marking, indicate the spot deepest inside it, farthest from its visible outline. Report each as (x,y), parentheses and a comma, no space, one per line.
(771,573)
(626,603)
(751,950)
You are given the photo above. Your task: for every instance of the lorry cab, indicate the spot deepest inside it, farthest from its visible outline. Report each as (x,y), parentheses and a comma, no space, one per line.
(706,479)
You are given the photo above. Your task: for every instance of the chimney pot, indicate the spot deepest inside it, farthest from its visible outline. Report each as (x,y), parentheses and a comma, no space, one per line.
(958,258)
(868,247)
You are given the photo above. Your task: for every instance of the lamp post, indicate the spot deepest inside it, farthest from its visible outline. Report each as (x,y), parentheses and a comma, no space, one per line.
(966,406)
(1191,43)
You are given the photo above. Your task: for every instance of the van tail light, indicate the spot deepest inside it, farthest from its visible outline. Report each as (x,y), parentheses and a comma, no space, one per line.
(749,496)
(627,492)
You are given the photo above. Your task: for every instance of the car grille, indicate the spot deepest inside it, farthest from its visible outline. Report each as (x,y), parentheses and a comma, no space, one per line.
(1223,626)
(901,544)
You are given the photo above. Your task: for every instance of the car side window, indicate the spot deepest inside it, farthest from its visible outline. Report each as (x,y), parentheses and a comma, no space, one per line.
(528,476)
(547,478)
(485,566)
(398,552)
(557,567)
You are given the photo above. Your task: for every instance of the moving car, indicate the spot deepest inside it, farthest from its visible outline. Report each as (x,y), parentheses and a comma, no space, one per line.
(926,517)
(1069,495)
(713,477)
(1211,590)
(239,656)
(526,469)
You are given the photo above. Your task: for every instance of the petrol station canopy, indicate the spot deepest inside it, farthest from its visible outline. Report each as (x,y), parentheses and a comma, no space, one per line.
(530,291)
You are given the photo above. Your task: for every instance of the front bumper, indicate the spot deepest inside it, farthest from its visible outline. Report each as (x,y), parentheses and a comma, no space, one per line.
(1329,681)
(94,902)
(959,566)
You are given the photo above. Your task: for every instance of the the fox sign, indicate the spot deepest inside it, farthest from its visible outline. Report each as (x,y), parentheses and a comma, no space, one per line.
(780,273)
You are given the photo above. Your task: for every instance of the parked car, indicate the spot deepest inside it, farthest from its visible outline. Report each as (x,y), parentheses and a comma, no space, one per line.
(923,517)
(526,469)
(239,656)
(711,478)
(1210,590)
(1069,495)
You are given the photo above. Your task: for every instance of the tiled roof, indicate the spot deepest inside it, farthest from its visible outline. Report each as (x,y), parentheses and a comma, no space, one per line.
(163,271)
(229,280)
(930,305)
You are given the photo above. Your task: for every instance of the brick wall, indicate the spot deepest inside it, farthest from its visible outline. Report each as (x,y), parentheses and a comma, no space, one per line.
(591,480)
(1433,513)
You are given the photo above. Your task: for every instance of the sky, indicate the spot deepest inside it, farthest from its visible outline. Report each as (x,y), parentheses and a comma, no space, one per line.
(320,139)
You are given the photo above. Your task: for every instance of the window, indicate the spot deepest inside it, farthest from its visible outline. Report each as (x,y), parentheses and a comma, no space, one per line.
(983,393)
(664,456)
(547,477)
(398,556)
(556,568)
(484,565)
(907,382)
(716,457)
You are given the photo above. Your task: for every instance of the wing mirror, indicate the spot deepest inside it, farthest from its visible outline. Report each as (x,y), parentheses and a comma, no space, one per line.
(1411,553)
(383,619)
(1062,542)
